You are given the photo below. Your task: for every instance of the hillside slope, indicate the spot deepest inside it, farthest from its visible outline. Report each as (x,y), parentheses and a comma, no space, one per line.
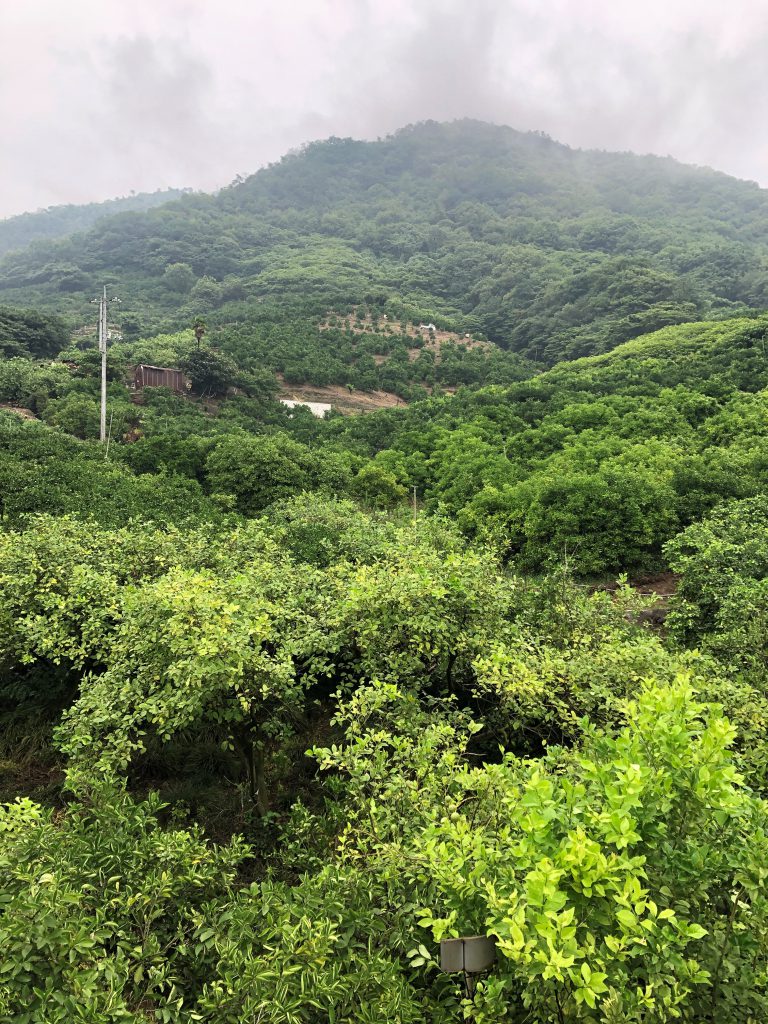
(596,462)
(59,221)
(552,252)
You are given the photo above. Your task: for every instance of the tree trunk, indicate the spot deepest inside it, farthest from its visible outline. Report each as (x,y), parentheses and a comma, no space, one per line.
(252,752)
(257,780)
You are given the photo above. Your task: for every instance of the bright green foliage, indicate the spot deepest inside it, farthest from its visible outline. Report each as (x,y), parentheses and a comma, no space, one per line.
(100,912)
(619,880)
(192,647)
(553,671)
(61,582)
(572,659)
(398,753)
(521,756)
(722,600)
(597,463)
(185,627)
(377,487)
(420,614)
(76,415)
(259,471)
(159,350)
(601,520)
(337,945)
(628,883)
(623,877)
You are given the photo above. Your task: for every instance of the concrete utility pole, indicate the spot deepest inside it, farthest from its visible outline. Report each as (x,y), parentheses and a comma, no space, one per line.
(103,330)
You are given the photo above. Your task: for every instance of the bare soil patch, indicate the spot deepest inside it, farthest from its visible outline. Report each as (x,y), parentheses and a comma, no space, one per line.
(339,396)
(663,585)
(26,414)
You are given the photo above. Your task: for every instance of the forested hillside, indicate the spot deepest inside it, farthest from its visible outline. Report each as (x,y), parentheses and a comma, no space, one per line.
(285,701)
(548,251)
(598,461)
(58,221)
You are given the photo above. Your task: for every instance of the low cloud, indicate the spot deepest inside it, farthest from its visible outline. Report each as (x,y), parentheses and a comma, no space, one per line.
(97,100)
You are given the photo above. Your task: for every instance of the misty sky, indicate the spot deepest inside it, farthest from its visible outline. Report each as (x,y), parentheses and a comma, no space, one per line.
(101,97)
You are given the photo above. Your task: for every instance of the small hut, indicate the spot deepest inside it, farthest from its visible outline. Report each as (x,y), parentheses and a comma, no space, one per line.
(146,376)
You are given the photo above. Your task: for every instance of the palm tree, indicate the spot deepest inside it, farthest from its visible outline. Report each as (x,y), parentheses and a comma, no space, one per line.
(199,327)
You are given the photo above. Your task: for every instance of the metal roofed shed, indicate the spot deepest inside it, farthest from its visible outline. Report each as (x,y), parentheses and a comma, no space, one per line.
(146,376)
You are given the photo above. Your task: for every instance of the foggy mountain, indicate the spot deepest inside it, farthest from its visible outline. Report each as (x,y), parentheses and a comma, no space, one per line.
(547,250)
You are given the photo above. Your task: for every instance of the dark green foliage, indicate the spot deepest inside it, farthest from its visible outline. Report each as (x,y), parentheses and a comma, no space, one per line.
(642,830)
(44,471)
(722,601)
(596,462)
(322,531)
(260,470)
(179,277)
(57,221)
(210,372)
(494,748)
(306,351)
(24,332)
(108,927)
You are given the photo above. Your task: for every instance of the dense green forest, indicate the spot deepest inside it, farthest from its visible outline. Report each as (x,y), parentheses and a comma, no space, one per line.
(286,701)
(548,251)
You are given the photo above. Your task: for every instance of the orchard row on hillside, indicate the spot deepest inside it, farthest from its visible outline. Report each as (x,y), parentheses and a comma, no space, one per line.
(495,754)
(284,702)
(598,462)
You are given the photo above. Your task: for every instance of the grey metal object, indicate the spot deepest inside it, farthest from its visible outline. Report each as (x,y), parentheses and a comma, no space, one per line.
(103,336)
(471,954)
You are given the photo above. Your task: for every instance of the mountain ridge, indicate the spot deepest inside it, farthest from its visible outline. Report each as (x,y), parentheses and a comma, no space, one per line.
(52,222)
(552,252)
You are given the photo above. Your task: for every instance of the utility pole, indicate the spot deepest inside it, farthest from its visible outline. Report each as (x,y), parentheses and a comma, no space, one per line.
(103,304)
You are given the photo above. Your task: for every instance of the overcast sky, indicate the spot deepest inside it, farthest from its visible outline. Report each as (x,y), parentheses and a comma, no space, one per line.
(101,97)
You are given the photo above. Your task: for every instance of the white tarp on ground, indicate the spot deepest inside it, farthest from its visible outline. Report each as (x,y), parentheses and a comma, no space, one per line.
(318,409)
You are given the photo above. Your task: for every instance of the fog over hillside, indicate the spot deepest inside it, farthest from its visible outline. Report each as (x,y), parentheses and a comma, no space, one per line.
(547,251)
(146,96)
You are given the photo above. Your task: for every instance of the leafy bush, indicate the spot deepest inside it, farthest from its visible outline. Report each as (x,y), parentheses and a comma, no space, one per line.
(100,909)
(621,881)
(722,596)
